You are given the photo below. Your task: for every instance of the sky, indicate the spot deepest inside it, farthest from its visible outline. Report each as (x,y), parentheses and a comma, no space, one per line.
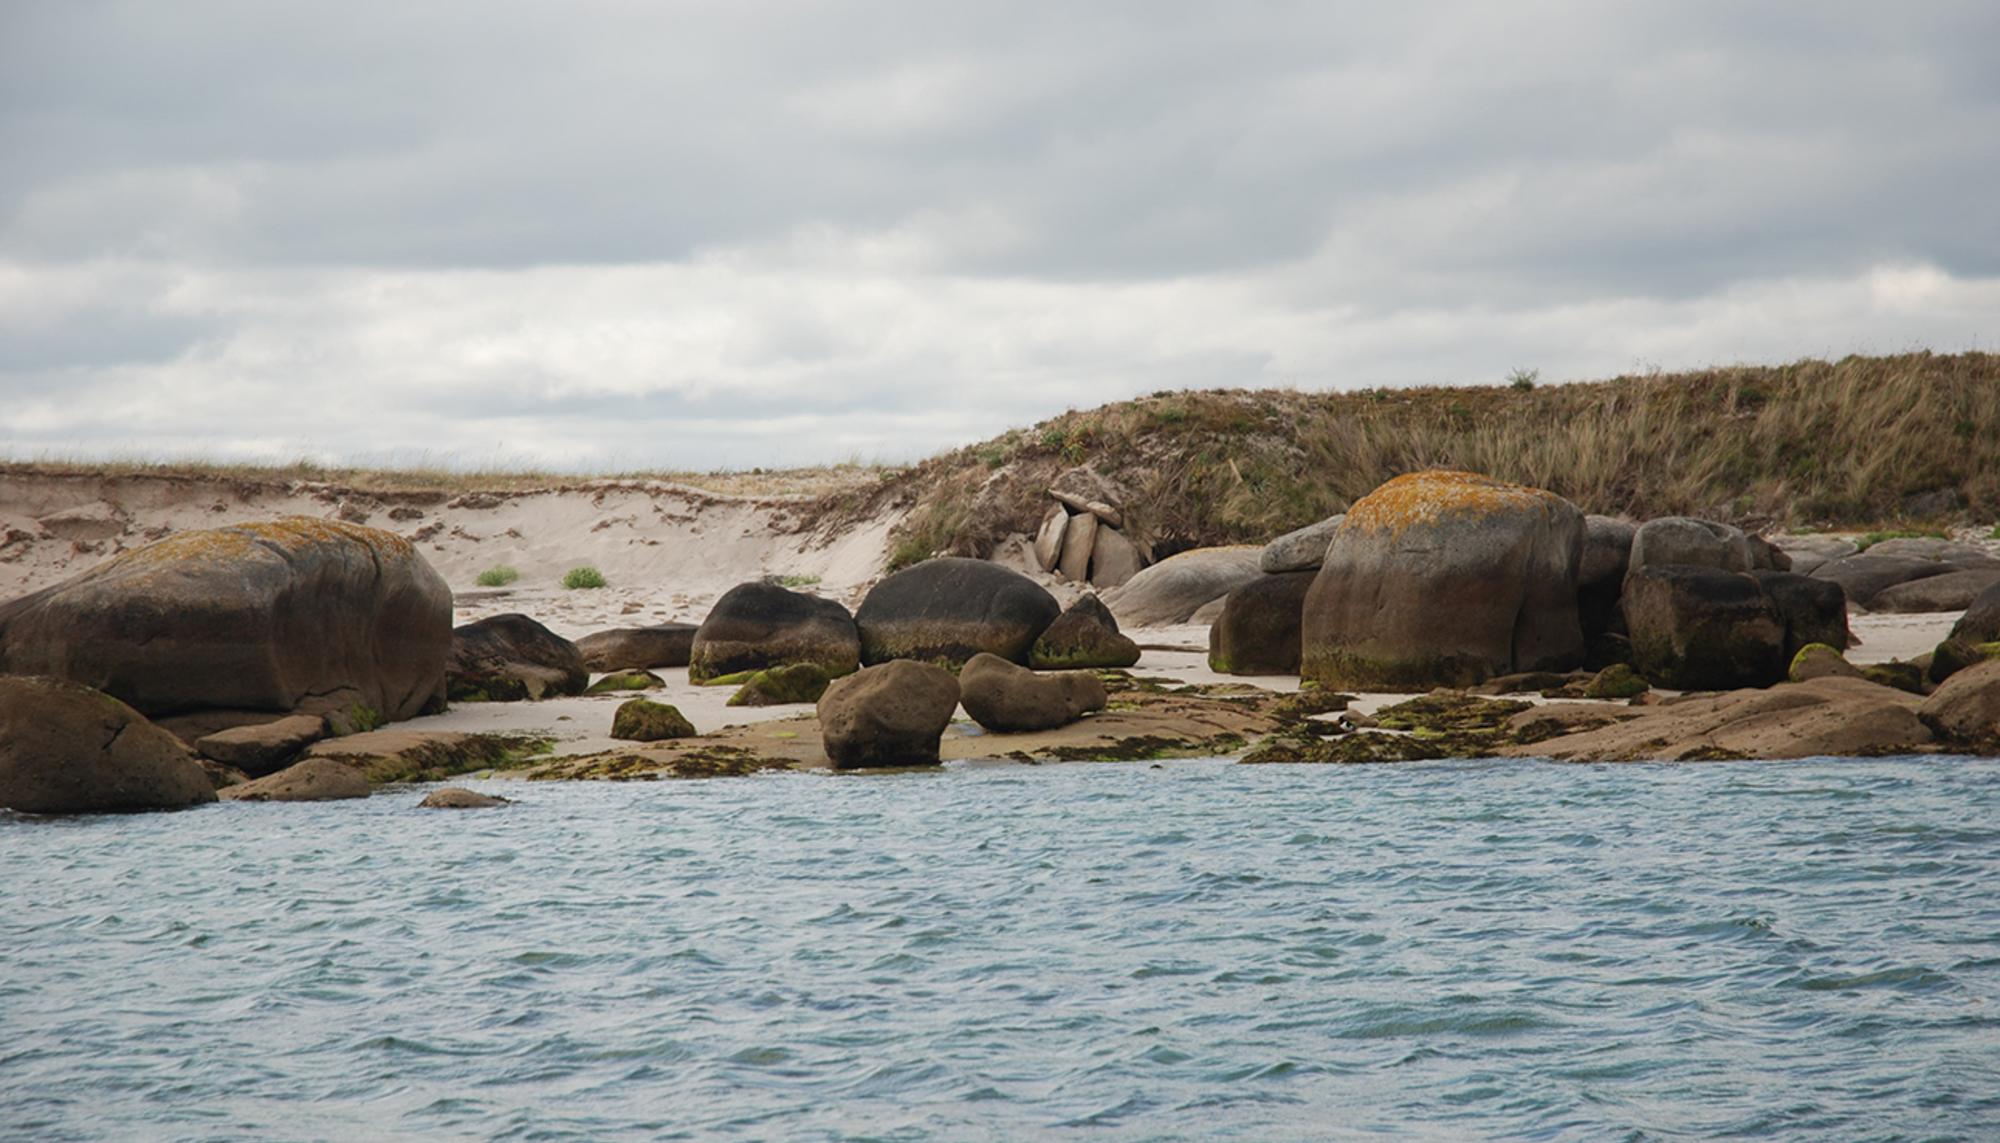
(603,236)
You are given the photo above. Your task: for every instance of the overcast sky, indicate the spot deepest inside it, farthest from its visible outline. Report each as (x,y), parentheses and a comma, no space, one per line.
(619,235)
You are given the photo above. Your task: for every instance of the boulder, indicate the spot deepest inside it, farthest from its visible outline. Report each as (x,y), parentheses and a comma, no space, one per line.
(68,749)
(1049,538)
(1258,630)
(508,658)
(1954,655)
(783,686)
(755,626)
(891,714)
(1600,580)
(1958,555)
(1301,550)
(1952,591)
(1085,635)
(619,682)
(948,609)
(1811,610)
(460,798)
(1702,628)
(1084,489)
(1767,556)
(1114,560)
(643,720)
(1867,575)
(1981,621)
(1831,716)
(1171,591)
(1079,536)
(313,780)
(637,648)
(1617,681)
(260,750)
(1008,698)
(1808,553)
(1965,710)
(291,615)
(1683,540)
(1443,579)
(1818,661)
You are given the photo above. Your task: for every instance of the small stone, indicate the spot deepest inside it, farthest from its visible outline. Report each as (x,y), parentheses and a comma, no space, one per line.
(460,798)
(619,681)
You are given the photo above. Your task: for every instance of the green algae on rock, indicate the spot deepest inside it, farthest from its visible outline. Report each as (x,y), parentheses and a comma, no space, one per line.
(643,720)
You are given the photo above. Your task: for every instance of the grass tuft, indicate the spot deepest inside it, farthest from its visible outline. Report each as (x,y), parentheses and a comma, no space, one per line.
(583,577)
(499,575)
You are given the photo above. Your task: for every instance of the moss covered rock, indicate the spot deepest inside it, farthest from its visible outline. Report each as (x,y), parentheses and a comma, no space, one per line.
(1817,661)
(780,686)
(757,626)
(1084,636)
(643,720)
(947,610)
(511,658)
(620,681)
(1617,681)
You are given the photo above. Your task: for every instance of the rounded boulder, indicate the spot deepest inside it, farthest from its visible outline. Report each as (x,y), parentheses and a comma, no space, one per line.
(893,714)
(760,625)
(68,749)
(1010,698)
(947,610)
(1258,630)
(507,658)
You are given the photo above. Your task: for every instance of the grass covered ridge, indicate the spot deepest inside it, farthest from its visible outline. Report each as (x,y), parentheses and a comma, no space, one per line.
(1864,441)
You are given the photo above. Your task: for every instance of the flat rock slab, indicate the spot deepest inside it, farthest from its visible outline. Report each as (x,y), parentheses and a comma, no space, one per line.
(400,755)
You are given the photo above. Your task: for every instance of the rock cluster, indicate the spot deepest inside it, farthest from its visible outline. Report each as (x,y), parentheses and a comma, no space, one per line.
(1081,538)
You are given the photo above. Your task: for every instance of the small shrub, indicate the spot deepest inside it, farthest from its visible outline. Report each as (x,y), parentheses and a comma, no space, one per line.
(796,580)
(1523,380)
(585,576)
(499,575)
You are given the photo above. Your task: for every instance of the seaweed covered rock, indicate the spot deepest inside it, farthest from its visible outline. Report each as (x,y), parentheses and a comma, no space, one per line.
(619,682)
(1174,589)
(1818,661)
(1084,635)
(68,749)
(313,780)
(509,658)
(781,686)
(1617,681)
(949,609)
(1954,655)
(637,648)
(643,720)
(1258,630)
(756,626)
(1702,629)
(892,714)
(1444,579)
(289,615)
(1009,698)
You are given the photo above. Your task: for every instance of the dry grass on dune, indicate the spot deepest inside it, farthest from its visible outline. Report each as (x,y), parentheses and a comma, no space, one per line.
(1862,441)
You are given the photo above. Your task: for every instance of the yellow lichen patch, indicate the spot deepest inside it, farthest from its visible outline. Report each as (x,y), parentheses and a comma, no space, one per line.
(1432,496)
(239,541)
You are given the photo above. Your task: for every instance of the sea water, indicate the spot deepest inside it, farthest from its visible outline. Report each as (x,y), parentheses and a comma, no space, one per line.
(1192,950)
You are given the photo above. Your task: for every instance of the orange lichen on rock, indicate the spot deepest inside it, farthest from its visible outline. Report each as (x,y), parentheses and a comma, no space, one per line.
(1432,496)
(240,540)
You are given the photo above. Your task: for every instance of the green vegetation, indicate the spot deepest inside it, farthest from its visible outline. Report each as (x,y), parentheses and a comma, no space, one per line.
(583,577)
(796,580)
(499,575)
(643,720)
(1522,380)
(620,681)
(782,685)
(1873,538)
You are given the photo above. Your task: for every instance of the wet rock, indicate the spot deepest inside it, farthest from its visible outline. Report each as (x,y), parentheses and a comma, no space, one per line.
(637,648)
(891,714)
(1832,716)
(1085,635)
(1258,630)
(643,720)
(947,610)
(621,681)
(313,780)
(1171,591)
(263,749)
(756,626)
(293,615)
(1300,550)
(1702,628)
(1009,698)
(781,686)
(510,658)
(1445,579)
(68,749)
(459,798)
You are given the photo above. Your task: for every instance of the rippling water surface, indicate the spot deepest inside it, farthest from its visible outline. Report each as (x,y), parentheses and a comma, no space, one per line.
(1196,950)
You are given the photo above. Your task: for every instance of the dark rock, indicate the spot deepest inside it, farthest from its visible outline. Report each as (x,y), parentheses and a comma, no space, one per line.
(263,749)
(1981,621)
(1869,574)
(1701,628)
(1258,631)
(1300,550)
(1767,556)
(947,610)
(782,686)
(459,798)
(1172,590)
(1907,677)
(507,658)
(1600,579)
(643,720)
(68,749)
(1445,579)
(892,714)
(1085,635)
(1009,698)
(1617,681)
(1952,591)
(1811,610)
(1685,541)
(1955,655)
(291,615)
(313,780)
(637,648)
(756,626)
(620,682)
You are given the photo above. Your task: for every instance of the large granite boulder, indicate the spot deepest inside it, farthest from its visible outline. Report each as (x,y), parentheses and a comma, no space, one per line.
(1301,550)
(1171,591)
(68,749)
(1965,709)
(1600,580)
(1952,591)
(756,626)
(637,648)
(1114,559)
(1258,630)
(1686,541)
(1827,716)
(1009,698)
(891,714)
(1981,621)
(313,780)
(1811,610)
(947,610)
(1084,635)
(1702,628)
(508,658)
(1445,579)
(1870,573)
(1808,553)
(314,616)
